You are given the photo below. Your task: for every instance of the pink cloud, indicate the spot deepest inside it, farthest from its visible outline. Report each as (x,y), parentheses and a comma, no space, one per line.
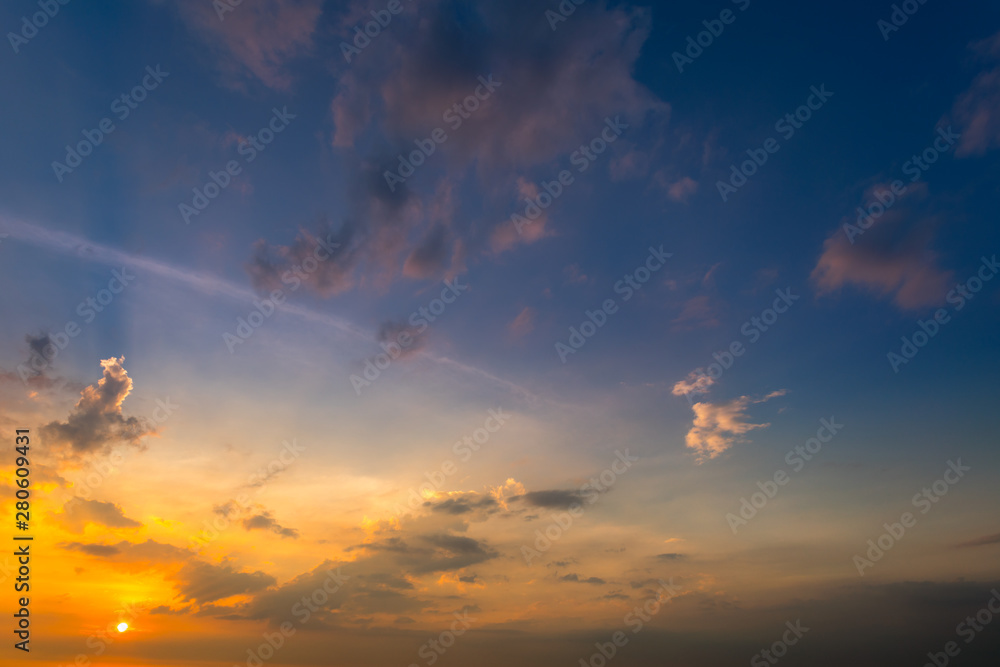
(696,313)
(523,324)
(717,427)
(256,38)
(893,259)
(682,190)
(977,110)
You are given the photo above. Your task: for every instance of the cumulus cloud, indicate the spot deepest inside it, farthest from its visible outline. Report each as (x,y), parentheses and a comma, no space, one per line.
(696,382)
(78,513)
(717,427)
(96,421)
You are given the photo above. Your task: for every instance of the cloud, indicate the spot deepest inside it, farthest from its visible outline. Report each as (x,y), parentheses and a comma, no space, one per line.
(323,262)
(205,582)
(555,499)
(506,234)
(428,259)
(977,110)
(439,552)
(717,427)
(549,94)
(682,190)
(671,557)
(145,554)
(390,332)
(697,313)
(576,578)
(98,550)
(256,39)
(463,505)
(696,382)
(77,513)
(265,521)
(523,324)
(96,421)
(980,542)
(893,259)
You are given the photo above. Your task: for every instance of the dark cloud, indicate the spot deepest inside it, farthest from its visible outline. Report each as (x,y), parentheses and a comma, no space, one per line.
(390,331)
(97,422)
(550,94)
(99,550)
(463,505)
(146,553)
(323,262)
(576,578)
(77,513)
(671,556)
(266,521)
(205,582)
(429,258)
(551,499)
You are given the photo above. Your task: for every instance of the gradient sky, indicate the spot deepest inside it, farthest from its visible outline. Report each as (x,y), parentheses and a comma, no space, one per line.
(425,481)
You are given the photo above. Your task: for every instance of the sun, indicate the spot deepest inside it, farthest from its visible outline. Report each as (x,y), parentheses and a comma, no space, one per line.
(122,627)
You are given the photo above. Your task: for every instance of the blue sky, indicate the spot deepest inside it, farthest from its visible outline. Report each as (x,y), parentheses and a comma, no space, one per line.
(704,442)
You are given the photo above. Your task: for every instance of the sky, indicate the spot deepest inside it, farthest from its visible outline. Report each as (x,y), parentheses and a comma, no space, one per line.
(439,332)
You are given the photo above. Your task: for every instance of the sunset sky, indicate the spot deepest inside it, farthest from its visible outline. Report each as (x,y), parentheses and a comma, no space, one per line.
(501,329)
